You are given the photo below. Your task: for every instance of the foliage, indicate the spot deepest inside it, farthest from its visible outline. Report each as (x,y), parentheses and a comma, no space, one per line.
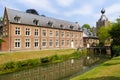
(25,64)
(116,49)
(115,32)
(87,26)
(9,65)
(45,60)
(1,40)
(56,57)
(109,70)
(103,33)
(76,54)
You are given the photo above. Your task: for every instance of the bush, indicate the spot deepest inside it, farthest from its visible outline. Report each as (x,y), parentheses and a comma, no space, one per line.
(55,58)
(8,65)
(116,50)
(76,54)
(45,60)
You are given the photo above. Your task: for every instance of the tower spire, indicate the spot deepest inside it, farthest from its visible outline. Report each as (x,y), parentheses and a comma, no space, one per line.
(103,11)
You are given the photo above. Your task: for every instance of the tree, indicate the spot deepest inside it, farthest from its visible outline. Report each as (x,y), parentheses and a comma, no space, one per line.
(103,33)
(87,26)
(115,34)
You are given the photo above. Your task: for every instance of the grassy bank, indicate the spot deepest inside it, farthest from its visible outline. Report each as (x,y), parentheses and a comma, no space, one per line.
(109,70)
(19,56)
(52,56)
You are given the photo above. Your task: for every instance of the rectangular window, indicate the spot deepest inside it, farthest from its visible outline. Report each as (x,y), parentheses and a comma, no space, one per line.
(76,35)
(51,43)
(68,42)
(36,32)
(27,43)
(51,33)
(17,31)
(36,43)
(27,31)
(17,43)
(44,33)
(57,43)
(63,42)
(62,34)
(76,42)
(72,35)
(68,34)
(43,42)
(57,33)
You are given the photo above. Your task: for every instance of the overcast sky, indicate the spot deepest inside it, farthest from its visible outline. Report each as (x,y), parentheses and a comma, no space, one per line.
(82,11)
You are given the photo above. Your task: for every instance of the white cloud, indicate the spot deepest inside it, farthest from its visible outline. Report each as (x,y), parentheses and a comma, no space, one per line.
(84,11)
(113,11)
(45,5)
(65,2)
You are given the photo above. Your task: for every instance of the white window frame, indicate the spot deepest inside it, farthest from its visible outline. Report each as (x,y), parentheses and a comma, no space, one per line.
(27,31)
(57,43)
(51,42)
(68,42)
(63,43)
(62,34)
(17,31)
(45,42)
(72,35)
(68,34)
(36,41)
(44,32)
(51,33)
(57,33)
(16,43)
(36,32)
(27,42)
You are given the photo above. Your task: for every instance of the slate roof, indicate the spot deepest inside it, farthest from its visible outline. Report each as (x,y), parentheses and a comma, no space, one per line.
(27,18)
(88,34)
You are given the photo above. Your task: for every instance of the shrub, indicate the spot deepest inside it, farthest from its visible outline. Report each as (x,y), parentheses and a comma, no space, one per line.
(116,50)
(8,65)
(55,58)
(76,54)
(45,60)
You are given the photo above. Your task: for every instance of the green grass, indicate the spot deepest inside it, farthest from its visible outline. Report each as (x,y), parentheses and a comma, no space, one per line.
(109,70)
(19,56)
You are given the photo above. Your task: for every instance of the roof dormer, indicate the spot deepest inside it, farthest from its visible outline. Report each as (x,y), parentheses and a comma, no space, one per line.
(17,19)
(35,21)
(50,24)
(61,26)
(71,27)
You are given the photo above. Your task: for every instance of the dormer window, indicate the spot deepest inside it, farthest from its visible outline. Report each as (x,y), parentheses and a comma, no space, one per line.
(71,27)
(17,19)
(79,28)
(61,26)
(50,24)
(35,21)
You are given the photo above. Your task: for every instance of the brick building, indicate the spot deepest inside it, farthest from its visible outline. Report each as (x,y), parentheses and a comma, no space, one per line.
(89,38)
(27,31)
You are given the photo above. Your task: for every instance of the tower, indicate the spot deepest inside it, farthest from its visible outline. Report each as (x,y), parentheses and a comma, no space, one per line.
(103,21)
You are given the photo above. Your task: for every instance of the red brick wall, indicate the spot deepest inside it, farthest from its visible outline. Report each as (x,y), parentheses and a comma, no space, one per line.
(5,45)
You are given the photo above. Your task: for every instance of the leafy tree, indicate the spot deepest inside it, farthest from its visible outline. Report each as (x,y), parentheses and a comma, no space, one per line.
(103,33)
(115,32)
(87,26)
